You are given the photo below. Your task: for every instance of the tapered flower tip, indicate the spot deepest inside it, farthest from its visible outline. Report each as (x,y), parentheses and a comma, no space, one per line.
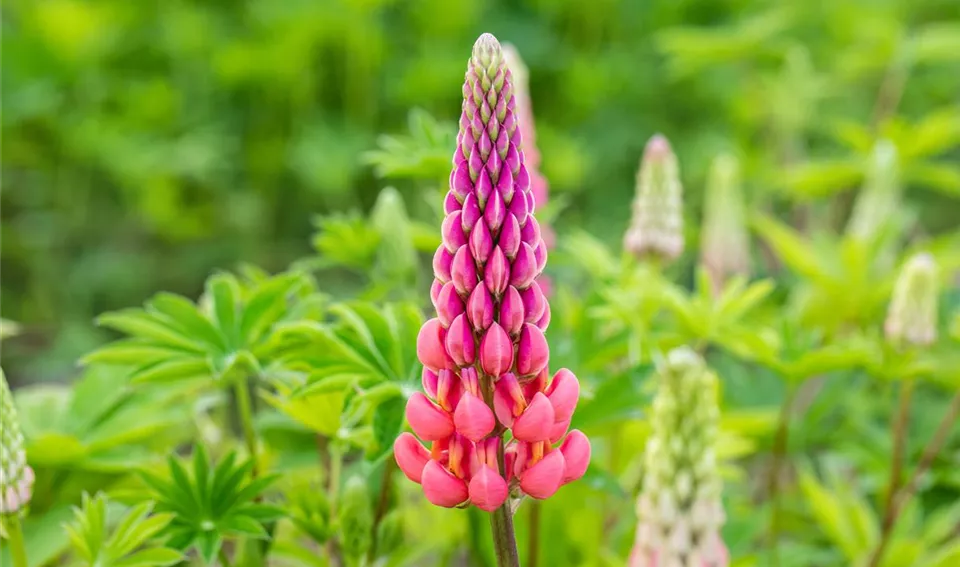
(411,456)
(488,490)
(473,418)
(563,392)
(576,455)
(487,51)
(429,422)
(460,342)
(543,479)
(496,351)
(533,353)
(657,148)
(442,488)
(536,422)
(430,349)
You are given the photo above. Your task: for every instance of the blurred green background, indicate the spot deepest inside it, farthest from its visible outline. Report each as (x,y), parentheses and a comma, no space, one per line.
(146,144)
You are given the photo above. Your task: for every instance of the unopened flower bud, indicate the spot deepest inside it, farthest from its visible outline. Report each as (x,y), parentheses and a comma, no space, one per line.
(724,244)
(16,477)
(879,198)
(656,229)
(912,316)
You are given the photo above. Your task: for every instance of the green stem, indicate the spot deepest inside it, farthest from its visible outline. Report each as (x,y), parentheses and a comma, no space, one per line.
(382,501)
(504,538)
(18,551)
(780,444)
(245,409)
(533,541)
(333,487)
(224,560)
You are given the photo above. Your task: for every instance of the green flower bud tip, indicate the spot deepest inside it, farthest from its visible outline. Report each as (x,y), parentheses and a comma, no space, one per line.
(16,477)
(912,316)
(656,228)
(679,508)
(724,243)
(879,198)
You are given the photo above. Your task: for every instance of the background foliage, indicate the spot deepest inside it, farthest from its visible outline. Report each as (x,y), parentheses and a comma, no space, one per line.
(150,145)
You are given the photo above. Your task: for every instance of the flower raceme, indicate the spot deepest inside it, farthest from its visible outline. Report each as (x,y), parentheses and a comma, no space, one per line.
(485,356)
(16,477)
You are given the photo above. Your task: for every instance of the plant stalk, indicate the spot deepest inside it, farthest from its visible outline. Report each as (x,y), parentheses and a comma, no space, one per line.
(245,410)
(382,502)
(533,537)
(780,444)
(18,550)
(930,453)
(501,520)
(224,560)
(899,433)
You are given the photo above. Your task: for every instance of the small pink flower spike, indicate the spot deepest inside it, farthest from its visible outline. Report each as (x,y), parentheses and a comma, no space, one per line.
(576,455)
(427,420)
(441,487)
(411,456)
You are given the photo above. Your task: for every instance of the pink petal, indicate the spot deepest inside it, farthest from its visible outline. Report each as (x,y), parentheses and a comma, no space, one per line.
(576,455)
(463,271)
(531,232)
(543,479)
(451,232)
(536,422)
(505,185)
(481,243)
(564,391)
(509,240)
(435,288)
(473,418)
(451,203)
(442,488)
(511,311)
(488,490)
(441,264)
(533,353)
(496,275)
(429,422)
(429,381)
(449,390)
(483,186)
(496,351)
(544,321)
(524,267)
(460,343)
(471,212)
(410,455)
(505,396)
(480,308)
(430,348)
(558,430)
(495,212)
(448,304)
(534,302)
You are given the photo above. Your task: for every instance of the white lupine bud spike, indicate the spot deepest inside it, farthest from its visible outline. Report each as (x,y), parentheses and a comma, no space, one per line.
(16,477)
(879,198)
(912,316)
(680,471)
(656,229)
(724,244)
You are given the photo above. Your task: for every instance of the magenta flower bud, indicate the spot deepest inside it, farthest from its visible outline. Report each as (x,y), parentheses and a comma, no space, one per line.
(473,418)
(497,274)
(448,304)
(563,393)
(534,303)
(480,308)
(427,420)
(449,390)
(452,232)
(510,235)
(441,487)
(488,490)
(460,343)
(532,352)
(463,271)
(441,264)
(411,456)
(511,311)
(481,243)
(428,380)
(576,455)
(543,479)
(524,268)
(430,347)
(536,422)
(496,351)
(489,234)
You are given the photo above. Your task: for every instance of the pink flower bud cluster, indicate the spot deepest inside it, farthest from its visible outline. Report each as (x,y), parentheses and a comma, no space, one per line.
(485,354)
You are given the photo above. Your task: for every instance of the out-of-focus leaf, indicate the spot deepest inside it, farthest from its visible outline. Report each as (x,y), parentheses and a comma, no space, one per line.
(789,246)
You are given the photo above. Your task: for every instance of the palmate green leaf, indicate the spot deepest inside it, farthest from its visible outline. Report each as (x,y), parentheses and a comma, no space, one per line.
(318,410)
(151,557)
(819,179)
(139,323)
(224,293)
(842,515)
(387,423)
(184,314)
(942,177)
(171,370)
(267,305)
(132,352)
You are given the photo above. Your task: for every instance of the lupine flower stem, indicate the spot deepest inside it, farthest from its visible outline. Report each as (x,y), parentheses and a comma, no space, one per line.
(224,559)
(781,441)
(930,453)
(245,411)
(504,538)
(18,551)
